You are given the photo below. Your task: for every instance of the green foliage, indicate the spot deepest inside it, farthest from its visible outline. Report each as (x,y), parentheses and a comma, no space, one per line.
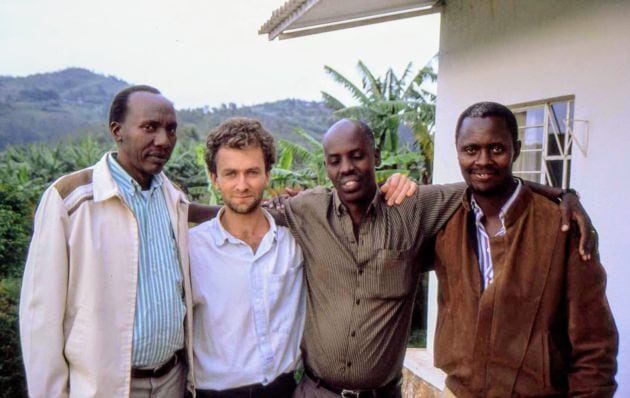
(16,209)
(12,380)
(389,105)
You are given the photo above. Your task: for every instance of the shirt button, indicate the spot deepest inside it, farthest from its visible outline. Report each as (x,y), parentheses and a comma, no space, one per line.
(354,333)
(349,363)
(360,272)
(358,301)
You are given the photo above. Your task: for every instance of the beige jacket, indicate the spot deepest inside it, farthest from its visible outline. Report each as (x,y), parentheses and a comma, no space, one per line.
(77,306)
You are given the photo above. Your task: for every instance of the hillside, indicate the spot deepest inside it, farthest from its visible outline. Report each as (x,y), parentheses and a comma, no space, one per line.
(52,106)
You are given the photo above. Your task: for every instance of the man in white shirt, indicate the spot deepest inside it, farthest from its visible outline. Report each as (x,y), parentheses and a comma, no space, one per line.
(248,299)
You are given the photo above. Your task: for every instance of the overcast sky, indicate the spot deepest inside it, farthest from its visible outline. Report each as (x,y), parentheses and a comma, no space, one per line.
(200,52)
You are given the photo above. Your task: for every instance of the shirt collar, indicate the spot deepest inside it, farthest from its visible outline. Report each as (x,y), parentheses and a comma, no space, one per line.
(340,208)
(221,235)
(504,209)
(125,181)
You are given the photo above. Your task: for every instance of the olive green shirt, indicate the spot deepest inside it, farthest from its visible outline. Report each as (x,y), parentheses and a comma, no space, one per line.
(360,293)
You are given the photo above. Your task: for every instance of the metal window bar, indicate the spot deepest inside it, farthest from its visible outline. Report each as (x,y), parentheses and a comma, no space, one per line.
(563,142)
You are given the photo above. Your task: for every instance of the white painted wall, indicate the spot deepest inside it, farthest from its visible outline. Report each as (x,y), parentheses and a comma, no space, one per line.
(515,51)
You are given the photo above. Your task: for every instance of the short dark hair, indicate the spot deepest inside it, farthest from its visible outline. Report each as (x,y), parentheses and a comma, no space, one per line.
(239,133)
(118,109)
(488,109)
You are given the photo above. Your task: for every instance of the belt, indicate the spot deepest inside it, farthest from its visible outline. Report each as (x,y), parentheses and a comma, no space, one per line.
(285,380)
(346,393)
(160,370)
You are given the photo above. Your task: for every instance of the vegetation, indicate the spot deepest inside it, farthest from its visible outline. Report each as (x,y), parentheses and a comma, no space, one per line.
(392,106)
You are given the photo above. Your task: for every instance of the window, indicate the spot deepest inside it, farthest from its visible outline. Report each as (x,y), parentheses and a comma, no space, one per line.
(546,133)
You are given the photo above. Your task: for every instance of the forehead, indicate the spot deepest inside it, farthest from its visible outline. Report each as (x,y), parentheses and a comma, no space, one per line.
(240,159)
(146,105)
(345,137)
(484,129)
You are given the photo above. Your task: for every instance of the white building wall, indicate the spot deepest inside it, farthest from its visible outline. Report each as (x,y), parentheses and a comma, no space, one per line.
(515,51)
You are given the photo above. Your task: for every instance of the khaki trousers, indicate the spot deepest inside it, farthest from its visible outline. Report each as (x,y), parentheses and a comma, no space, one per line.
(447,393)
(171,385)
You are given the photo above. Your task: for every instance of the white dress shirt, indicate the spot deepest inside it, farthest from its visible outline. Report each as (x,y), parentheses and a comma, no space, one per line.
(248,308)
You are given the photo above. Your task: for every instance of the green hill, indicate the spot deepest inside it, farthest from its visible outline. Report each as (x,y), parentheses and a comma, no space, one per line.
(72,102)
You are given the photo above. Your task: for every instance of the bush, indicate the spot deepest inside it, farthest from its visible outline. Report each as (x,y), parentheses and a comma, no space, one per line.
(12,380)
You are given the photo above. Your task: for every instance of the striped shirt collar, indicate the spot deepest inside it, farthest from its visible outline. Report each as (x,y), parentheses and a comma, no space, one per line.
(221,235)
(125,181)
(504,209)
(340,208)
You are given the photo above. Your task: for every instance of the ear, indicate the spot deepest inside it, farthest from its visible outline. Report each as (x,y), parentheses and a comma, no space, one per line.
(377,157)
(213,178)
(517,150)
(114,130)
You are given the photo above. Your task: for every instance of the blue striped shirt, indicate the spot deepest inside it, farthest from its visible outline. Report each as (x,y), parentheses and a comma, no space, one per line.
(158,329)
(483,240)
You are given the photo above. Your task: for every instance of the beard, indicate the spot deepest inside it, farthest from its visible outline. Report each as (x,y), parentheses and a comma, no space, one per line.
(244,208)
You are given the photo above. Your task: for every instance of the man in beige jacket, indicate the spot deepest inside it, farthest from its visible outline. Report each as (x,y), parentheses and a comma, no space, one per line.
(105,306)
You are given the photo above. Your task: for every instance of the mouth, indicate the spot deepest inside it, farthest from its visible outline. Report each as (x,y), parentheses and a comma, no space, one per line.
(350,183)
(482,176)
(158,157)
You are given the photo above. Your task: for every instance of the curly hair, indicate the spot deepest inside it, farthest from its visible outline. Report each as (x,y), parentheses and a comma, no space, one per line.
(239,133)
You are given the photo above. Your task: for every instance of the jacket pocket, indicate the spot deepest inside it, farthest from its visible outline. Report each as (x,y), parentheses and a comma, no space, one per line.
(395,273)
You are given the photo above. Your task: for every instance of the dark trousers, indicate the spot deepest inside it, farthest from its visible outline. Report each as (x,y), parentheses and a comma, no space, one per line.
(282,387)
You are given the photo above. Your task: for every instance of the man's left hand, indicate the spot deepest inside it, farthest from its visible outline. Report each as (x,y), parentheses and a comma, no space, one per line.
(572,209)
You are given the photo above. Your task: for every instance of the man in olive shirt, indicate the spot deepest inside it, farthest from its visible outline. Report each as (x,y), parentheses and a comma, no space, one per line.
(362,262)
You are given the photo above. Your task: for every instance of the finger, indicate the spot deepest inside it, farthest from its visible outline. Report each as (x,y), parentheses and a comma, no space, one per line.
(588,235)
(393,185)
(400,193)
(565,214)
(407,189)
(413,187)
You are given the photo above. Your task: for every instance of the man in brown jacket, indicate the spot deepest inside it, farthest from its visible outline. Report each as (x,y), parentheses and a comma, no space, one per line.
(520,314)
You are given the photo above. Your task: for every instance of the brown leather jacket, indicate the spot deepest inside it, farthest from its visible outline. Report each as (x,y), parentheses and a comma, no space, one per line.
(542,328)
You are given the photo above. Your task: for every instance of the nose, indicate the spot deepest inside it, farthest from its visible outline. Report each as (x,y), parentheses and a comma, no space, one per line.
(162,138)
(483,158)
(241,183)
(346,166)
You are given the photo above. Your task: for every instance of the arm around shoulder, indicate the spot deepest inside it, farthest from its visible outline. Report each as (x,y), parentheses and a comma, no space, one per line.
(43,300)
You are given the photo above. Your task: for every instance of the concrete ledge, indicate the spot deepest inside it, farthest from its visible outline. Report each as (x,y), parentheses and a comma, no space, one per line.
(420,378)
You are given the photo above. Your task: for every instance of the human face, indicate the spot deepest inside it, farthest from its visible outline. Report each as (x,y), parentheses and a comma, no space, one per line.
(146,137)
(350,162)
(485,151)
(241,178)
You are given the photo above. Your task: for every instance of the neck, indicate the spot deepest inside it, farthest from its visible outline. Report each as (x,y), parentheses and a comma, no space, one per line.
(491,204)
(143,180)
(250,227)
(357,209)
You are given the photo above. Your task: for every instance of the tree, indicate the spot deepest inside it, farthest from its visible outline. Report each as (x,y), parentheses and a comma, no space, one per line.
(388,104)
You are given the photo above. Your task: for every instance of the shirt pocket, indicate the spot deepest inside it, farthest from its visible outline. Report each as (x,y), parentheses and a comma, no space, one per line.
(285,299)
(395,273)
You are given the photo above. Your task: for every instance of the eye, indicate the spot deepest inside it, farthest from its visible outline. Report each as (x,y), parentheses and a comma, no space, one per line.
(357,156)
(470,150)
(149,127)
(229,173)
(253,173)
(497,149)
(171,130)
(333,161)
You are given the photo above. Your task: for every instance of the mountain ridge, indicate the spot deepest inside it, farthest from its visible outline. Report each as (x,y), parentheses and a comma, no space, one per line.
(49,107)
